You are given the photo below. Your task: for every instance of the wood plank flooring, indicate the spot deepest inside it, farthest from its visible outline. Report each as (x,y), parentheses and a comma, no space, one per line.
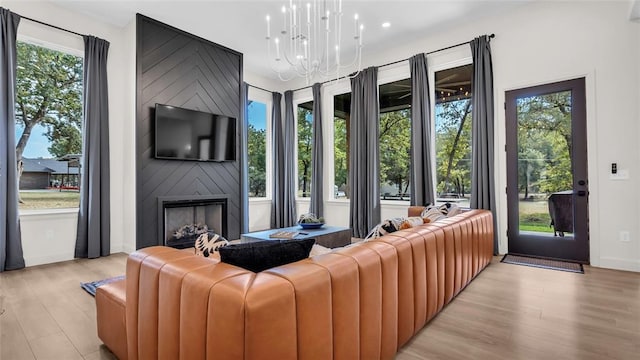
(507,312)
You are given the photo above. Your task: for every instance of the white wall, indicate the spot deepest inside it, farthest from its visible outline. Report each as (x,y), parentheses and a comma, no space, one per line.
(58,241)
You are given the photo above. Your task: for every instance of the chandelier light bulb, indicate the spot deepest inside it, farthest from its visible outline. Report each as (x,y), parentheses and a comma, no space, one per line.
(268,27)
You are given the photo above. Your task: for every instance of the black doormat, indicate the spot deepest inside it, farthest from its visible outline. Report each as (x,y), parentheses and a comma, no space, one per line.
(543,263)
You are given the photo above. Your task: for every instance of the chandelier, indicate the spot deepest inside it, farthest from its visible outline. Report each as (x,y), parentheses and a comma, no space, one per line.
(306,41)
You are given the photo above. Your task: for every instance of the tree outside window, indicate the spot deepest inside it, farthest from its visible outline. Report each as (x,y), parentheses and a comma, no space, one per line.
(395,154)
(305,136)
(48,126)
(257,148)
(394,137)
(453,134)
(341,122)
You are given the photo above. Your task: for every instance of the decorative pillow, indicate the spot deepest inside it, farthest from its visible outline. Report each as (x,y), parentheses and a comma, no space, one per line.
(412,221)
(454,209)
(432,213)
(319,250)
(206,245)
(386,227)
(261,255)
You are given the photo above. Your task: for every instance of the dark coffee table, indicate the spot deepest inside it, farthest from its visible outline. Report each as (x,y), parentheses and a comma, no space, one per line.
(327,236)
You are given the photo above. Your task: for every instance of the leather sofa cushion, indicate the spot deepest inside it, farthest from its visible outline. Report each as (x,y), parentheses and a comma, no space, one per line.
(261,255)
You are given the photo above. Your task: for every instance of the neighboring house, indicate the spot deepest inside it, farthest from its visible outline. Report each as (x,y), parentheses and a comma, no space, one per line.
(45,173)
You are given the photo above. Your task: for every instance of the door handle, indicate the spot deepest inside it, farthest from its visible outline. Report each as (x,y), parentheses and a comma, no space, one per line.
(582,193)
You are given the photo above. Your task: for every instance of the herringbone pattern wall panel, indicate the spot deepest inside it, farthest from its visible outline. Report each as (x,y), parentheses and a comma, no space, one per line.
(180,69)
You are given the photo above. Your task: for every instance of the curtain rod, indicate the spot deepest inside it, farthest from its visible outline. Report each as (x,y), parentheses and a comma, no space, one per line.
(53,26)
(259,88)
(398,61)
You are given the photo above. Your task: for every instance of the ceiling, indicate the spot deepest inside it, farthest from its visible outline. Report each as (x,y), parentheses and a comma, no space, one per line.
(241,24)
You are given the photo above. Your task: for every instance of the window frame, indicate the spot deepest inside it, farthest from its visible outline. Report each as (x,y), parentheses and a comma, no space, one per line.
(390,74)
(67,49)
(299,97)
(266,98)
(457,58)
(332,90)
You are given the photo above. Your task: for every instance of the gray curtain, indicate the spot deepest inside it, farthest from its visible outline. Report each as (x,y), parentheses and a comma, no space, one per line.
(244,158)
(283,206)
(421,172)
(94,231)
(317,196)
(10,244)
(483,189)
(364,177)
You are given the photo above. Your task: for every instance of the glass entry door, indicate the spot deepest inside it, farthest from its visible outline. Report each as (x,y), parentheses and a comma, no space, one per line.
(547,189)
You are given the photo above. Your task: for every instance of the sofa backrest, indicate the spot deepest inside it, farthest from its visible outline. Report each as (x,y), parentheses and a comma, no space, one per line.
(363,301)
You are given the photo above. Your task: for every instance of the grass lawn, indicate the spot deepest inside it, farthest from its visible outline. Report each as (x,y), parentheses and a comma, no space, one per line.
(49,199)
(534,216)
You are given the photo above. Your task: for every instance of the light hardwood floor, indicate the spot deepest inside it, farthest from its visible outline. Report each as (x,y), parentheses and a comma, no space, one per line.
(507,312)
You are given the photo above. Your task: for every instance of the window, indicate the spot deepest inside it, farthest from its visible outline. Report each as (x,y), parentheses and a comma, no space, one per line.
(257,148)
(341,118)
(395,140)
(48,127)
(305,136)
(453,134)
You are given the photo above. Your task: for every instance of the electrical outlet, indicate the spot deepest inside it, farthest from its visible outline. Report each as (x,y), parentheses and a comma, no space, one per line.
(624,236)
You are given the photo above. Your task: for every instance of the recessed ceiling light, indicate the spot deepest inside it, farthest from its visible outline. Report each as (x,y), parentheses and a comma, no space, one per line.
(386,24)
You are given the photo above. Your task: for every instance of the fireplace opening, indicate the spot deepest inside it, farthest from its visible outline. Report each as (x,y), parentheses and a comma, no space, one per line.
(184,219)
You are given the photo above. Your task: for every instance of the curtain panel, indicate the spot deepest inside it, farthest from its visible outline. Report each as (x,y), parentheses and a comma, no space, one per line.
(483,193)
(94,232)
(364,172)
(283,207)
(317,172)
(421,170)
(11,256)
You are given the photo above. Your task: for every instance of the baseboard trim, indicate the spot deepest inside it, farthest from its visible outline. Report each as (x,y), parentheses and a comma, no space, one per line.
(619,264)
(48,259)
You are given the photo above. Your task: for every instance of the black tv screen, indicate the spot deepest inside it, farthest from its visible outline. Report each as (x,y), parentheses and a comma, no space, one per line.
(194,135)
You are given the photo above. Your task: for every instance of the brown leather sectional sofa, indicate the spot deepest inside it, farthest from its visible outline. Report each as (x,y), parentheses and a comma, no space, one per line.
(361,302)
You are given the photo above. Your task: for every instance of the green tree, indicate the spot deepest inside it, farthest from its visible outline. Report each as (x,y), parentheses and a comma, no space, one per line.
(257,161)
(453,146)
(48,93)
(340,154)
(545,126)
(305,131)
(65,139)
(395,149)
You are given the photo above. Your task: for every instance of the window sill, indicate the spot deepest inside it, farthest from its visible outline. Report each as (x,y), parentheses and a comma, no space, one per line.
(395,203)
(259,201)
(39,212)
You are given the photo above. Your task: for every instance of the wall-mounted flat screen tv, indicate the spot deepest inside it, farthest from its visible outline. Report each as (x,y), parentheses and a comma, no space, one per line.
(185,134)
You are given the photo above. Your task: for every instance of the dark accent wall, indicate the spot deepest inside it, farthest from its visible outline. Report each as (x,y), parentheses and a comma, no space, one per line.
(180,69)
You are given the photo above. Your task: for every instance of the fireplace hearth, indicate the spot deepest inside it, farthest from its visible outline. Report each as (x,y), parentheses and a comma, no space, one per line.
(182,219)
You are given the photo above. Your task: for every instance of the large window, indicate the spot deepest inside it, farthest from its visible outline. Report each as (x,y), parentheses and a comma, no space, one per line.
(395,140)
(257,148)
(305,136)
(453,134)
(341,118)
(48,127)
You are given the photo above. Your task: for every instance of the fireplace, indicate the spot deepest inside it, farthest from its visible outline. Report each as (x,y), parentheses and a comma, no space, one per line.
(188,213)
